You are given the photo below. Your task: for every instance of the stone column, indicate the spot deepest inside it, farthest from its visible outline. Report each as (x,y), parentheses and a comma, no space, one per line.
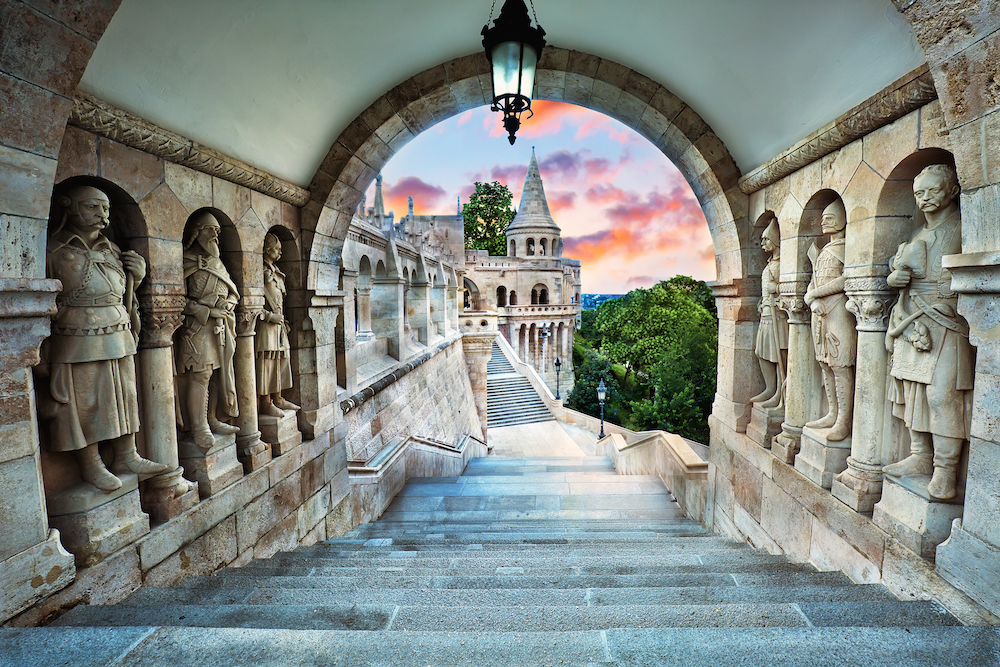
(347,304)
(438,308)
(478,347)
(737,308)
(163,496)
(33,560)
(318,381)
(252,452)
(860,486)
(969,558)
(421,305)
(451,308)
(365,332)
(388,313)
(801,375)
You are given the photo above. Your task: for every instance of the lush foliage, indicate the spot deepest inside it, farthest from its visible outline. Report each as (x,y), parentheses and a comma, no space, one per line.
(659,347)
(486,215)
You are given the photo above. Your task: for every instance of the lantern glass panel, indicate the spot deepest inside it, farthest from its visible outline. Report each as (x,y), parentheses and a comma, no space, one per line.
(506,63)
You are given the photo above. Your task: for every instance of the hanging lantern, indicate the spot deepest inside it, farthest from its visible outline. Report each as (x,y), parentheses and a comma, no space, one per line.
(513,47)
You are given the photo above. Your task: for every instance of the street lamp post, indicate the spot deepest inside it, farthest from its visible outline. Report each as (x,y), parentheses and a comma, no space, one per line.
(543,333)
(558,366)
(602,393)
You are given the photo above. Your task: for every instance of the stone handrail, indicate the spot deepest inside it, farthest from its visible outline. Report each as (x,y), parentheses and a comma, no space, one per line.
(668,456)
(547,309)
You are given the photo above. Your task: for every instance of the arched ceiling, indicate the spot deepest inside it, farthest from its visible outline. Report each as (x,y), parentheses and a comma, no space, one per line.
(274,83)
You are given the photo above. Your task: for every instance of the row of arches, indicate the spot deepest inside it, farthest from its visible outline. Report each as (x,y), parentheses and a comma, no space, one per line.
(539,296)
(543,248)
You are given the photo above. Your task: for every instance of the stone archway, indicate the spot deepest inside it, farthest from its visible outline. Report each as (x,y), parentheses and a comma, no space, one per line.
(441,92)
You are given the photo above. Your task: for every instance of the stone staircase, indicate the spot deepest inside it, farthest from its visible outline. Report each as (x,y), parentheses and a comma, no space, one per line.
(516,562)
(510,398)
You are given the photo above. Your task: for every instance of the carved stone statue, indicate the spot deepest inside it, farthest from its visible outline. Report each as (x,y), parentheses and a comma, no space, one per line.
(835,338)
(90,356)
(274,370)
(933,362)
(208,336)
(772,334)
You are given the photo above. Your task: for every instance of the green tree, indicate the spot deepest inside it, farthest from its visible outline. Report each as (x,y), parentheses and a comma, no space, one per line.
(698,290)
(583,398)
(486,215)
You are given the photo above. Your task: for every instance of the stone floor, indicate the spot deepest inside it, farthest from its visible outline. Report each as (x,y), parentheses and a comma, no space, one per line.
(549,438)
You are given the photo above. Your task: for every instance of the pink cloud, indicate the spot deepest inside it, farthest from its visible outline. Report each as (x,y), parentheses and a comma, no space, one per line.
(425,195)
(560,200)
(641,281)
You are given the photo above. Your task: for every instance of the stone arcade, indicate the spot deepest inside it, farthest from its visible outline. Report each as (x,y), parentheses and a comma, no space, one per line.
(272,361)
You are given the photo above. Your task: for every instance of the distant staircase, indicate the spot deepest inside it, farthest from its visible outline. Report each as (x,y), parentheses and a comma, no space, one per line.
(511,400)
(516,562)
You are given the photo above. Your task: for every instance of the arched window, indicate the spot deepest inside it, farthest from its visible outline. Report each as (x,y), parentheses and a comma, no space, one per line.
(513,248)
(543,297)
(501,296)
(544,245)
(513,298)
(531,246)
(534,297)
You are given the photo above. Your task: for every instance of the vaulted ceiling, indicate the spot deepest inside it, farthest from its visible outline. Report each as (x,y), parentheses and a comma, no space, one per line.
(274,83)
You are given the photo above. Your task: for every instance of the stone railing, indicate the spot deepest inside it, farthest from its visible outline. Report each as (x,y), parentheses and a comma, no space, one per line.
(550,310)
(675,460)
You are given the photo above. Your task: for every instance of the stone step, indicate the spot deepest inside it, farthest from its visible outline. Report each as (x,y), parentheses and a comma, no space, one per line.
(515,597)
(442,548)
(534,618)
(231,578)
(682,647)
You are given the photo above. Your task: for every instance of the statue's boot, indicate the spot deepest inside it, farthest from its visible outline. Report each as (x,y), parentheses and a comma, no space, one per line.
(828,420)
(284,404)
(845,405)
(770,382)
(265,408)
(197,409)
(919,462)
(92,469)
(946,453)
(127,456)
(214,423)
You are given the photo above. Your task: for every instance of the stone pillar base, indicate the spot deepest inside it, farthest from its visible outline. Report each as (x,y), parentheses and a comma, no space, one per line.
(283,434)
(785,446)
(33,574)
(907,513)
(765,423)
(95,533)
(252,452)
(167,495)
(819,460)
(859,487)
(214,469)
(972,565)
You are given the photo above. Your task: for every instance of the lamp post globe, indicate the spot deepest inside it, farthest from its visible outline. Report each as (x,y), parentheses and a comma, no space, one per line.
(558,366)
(602,393)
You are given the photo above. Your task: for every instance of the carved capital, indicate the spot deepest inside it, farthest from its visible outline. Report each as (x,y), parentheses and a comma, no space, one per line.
(871,310)
(795,306)
(246,321)
(161,315)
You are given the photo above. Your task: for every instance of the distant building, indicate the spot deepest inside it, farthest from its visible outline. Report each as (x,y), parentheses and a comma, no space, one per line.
(535,290)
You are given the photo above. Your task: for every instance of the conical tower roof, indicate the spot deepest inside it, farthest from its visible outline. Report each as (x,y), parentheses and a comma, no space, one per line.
(533,213)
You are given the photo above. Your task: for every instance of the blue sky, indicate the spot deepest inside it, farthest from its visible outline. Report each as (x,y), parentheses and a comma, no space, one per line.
(624,209)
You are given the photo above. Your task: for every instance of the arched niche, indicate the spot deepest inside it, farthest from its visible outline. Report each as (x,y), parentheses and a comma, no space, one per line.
(797,236)
(512,298)
(501,296)
(471,300)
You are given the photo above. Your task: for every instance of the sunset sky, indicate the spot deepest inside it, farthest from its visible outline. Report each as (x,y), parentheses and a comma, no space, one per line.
(624,209)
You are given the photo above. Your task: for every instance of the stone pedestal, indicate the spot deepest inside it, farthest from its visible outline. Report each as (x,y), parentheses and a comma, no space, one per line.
(765,423)
(859,487)
(167,495)
(819,459)
(972,564)
(95,524)
(214,469)
(785,446)
(907,513)
(282,434)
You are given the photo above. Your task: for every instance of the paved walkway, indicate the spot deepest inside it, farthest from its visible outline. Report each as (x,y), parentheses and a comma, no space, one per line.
(549,438)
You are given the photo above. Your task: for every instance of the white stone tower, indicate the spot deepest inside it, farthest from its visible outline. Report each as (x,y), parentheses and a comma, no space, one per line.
(533,233)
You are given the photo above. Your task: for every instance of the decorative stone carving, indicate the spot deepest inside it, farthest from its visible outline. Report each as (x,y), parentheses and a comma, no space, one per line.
(899,99)
(90,357)
(772,334)
(207,342)
(834,334)
(274,370)
(99,117)
(161,316)
(933,362)
(870,310)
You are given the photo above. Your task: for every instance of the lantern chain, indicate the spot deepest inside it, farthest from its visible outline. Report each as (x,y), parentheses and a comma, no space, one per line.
(533,13)
(492,7)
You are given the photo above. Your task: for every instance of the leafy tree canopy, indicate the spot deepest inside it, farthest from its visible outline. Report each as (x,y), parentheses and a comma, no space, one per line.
(583,398)
(487,214)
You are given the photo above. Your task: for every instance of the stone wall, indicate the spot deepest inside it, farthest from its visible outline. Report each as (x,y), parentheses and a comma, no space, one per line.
(435,400)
